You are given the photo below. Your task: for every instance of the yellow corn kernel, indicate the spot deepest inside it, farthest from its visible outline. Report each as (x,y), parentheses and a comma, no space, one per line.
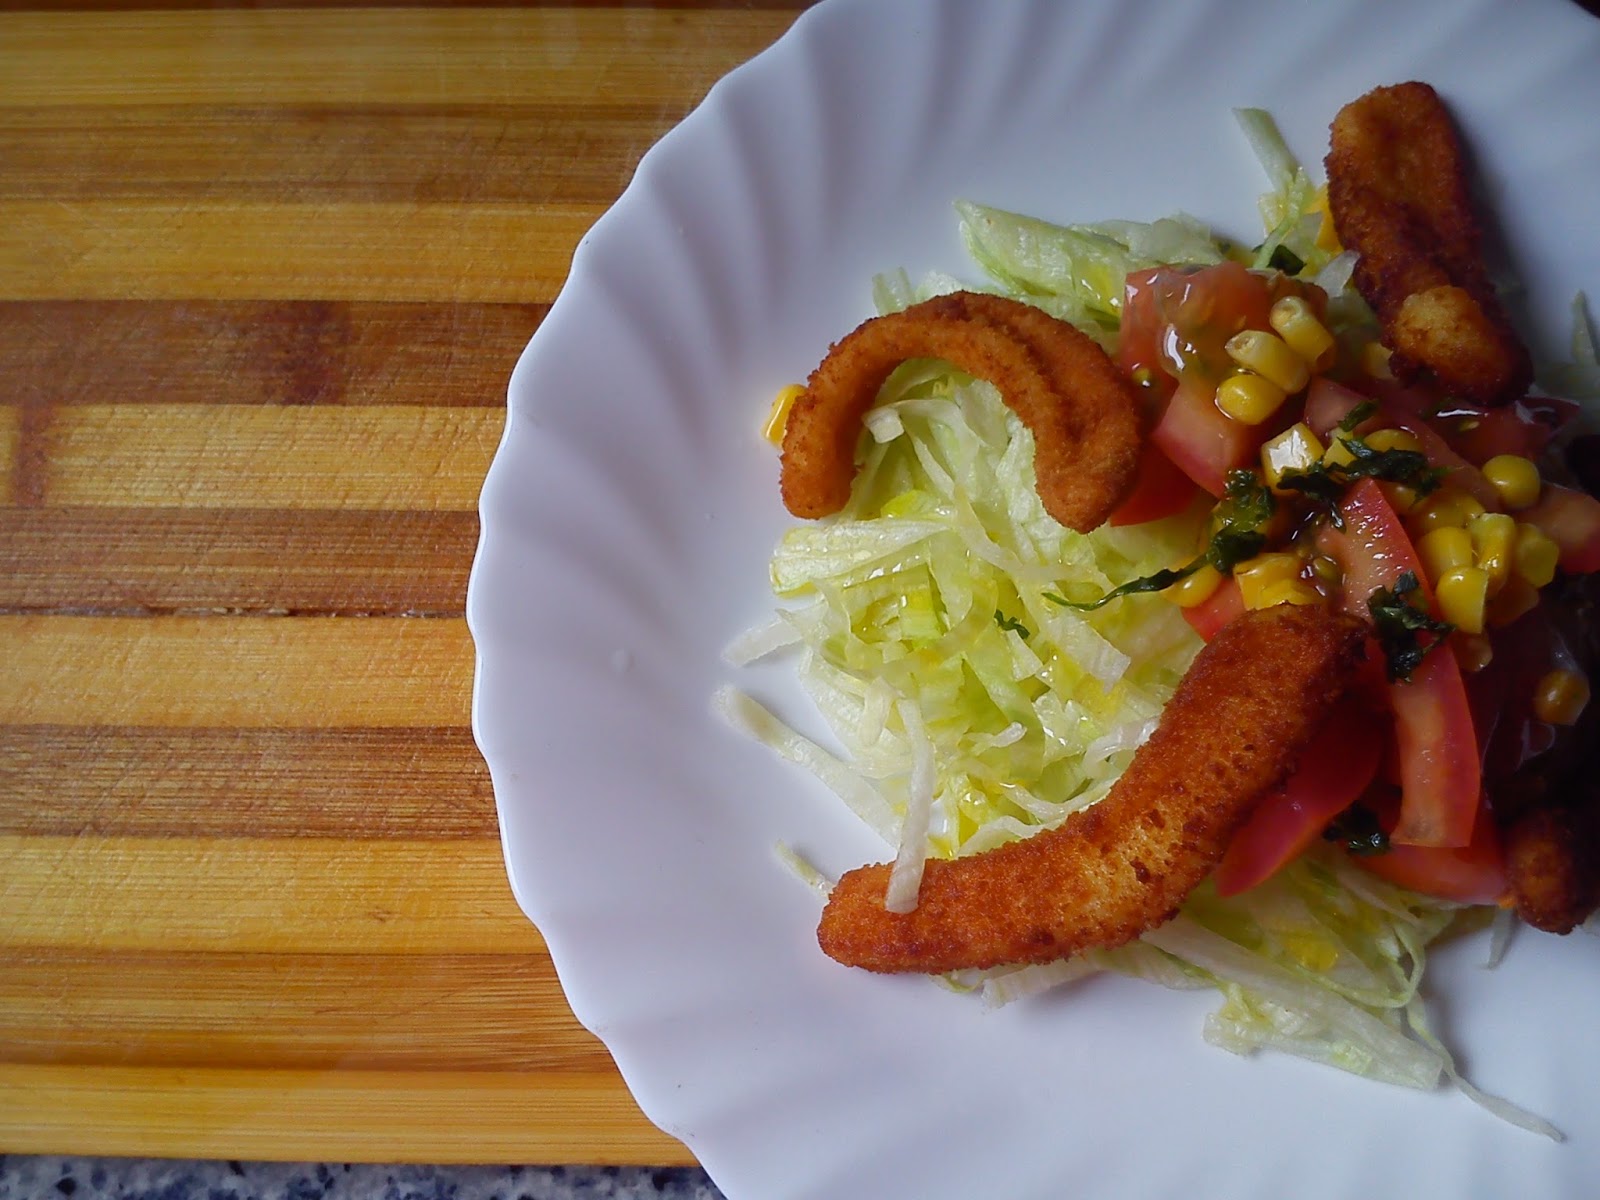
(1196,588)
(1288,591)
(1474,652)
(1295,449)
(1390,438)
(1447,506)
(1249,399)
(1536,555)
(1463,593)
(1515,600)
(1269,356)
(1258,575)
(1327,235)
(1444,549)
(1375,360)
(1494,542)
(778,416)
(1303,333)
(1515,478)
(1560,697)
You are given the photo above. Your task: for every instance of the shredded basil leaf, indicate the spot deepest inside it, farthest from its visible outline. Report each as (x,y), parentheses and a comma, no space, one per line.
(1012,624)
(1357,831)
(1238,532)
(1324,483)
(1357,415)
(1398,622)
(1286,260)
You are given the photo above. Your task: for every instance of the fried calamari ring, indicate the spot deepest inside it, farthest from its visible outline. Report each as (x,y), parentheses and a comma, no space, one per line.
(1083,413)
(1398,193)
(1230,734)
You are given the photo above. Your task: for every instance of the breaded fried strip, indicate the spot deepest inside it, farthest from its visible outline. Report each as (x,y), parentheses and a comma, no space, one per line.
(1553,862)
(1230,734)
(1083,413)
(1398,193)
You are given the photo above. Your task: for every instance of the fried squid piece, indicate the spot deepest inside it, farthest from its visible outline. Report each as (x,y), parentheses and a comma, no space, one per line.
(1230,734)
(1083,412)
(1553,862)
(1397,190)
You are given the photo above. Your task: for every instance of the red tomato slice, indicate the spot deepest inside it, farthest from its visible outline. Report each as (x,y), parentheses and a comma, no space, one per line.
(1204,443)
(1471,874)
(1328,403)
(1161,490)
(1333,772)
(1439,768)
(1223,605)
(1572,519)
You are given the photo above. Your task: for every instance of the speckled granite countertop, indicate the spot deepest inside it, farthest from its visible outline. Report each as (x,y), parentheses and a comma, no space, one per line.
(26,1177)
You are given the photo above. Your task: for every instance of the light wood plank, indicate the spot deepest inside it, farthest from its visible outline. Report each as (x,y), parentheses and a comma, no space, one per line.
(292,1011)
(341,56)
(247,672)
(373,1116)
(69,781)
(252,561)
(243,352)
(10,443)
(241,895)
(252,250)
(256,456)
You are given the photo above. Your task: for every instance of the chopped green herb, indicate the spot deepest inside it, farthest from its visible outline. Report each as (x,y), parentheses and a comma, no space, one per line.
(1398,622)
(1012,624)
(1286,260)
(1323,483)
(1357,831)
(1238,532)
(1357,415)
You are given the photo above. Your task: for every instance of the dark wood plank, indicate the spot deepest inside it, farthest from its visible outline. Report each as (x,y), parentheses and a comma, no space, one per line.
(532,154)
(307,562)
(259,352)
(76,781)
(296,1012)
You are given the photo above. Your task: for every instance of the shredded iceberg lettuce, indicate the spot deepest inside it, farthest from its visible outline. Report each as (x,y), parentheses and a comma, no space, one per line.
(972,709)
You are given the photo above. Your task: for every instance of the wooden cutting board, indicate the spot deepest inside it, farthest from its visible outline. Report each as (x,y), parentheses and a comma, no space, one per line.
(263,275)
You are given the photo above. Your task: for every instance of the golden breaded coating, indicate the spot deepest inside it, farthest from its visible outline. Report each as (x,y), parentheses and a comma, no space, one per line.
(1398,193)
(1230,734)
(1083,412)
(1553,862)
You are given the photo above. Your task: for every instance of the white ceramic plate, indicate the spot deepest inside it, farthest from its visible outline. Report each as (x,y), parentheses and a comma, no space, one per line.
(626,527)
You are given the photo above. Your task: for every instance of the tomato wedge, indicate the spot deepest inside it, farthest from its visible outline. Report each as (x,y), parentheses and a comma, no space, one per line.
(1328,403)
(1202,441)
(1571,519)
(1470,874)
(1160,490)
(1333,772)
(1440,773)
(1222,606)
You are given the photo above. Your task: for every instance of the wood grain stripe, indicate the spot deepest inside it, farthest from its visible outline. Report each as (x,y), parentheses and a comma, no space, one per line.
(557,154)
(250,672)
(253,456)
(307,896)
(110,561)
(376,1116)
(243,352)
(250,250)
(10,446)
(295,1011)
(660,59)
(70,781)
